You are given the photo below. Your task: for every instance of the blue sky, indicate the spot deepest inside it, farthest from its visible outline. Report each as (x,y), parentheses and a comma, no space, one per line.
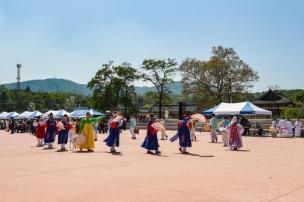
(72,38)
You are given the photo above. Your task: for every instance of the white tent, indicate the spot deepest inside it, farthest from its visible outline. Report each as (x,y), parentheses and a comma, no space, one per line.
(243,108)
(3,115)
(46,114)
(24,115)
(29,115)
(61,113)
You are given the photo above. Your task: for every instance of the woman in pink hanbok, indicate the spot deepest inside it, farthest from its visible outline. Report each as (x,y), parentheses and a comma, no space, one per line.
(234,130)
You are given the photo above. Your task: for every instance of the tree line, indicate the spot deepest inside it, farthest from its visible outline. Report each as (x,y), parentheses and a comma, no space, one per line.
(224,77)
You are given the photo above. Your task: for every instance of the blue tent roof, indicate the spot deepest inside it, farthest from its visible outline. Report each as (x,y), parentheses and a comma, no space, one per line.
(243,108)
(210,111)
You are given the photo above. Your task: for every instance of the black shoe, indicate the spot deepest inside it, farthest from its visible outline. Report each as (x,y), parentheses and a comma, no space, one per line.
(157,152)
(149,152)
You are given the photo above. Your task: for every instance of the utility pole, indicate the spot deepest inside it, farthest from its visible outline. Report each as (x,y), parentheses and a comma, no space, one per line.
(18,87)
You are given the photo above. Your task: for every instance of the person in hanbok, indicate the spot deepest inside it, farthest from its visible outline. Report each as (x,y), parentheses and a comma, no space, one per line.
(192,130)
(289,127)
(132,127)
(50,131)
(63,133)
(40,132)
(163,134)
(86,129)
(298,128)
(234,130)
(112,140)
(283,126)
(151,142)
(184,134)
(213,125)
(225,137)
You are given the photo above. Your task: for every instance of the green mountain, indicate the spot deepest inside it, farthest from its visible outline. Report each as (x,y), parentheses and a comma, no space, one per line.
(52,85)
(63,85)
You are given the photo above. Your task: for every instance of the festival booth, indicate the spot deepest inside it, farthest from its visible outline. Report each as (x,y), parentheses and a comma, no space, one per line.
(29,115)
(10,115)
(3,115)
(60,113)
(237,109)
(243,108)
(46,114)
(81,113)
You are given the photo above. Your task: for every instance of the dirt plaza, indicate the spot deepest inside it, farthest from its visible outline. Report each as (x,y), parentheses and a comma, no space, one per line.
(266,169)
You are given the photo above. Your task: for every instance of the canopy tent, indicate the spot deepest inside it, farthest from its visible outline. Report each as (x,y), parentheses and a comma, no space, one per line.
(24,115)
(80,113)
(29,115)
(243,108)
(46,114)
(3,115)
(61,113)
(12,115)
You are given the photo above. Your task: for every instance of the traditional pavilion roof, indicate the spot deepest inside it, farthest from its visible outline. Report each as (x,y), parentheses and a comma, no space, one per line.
(272,97)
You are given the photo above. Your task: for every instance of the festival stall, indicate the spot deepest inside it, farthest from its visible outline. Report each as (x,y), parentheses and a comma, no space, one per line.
(3,115)
(81,113)
(29,115)
(60,113)
(243,108)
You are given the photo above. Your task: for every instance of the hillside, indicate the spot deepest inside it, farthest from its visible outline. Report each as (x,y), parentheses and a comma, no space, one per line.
(52,85)
(63,85)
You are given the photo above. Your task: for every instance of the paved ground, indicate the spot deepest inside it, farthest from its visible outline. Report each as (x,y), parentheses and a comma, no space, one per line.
(266,169)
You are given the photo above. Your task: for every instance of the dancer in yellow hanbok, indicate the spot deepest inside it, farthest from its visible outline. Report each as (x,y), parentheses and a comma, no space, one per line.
(86,128)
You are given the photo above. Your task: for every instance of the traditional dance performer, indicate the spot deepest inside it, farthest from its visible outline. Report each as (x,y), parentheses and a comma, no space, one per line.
(151,141)
(163,133)
(50,131)
(213,125)
(234,131)
(112,140)
(86,129)
(192,130)
(63,134)
(132,127)
(224,124)
(40,132)
(298,128)
(184,134)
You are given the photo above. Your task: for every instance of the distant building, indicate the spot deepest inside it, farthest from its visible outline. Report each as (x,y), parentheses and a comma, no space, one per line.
(273,101)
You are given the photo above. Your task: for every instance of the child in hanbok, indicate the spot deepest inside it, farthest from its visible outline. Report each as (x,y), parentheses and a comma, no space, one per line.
(163,133)
(40,132)
(234,130)
(151,142)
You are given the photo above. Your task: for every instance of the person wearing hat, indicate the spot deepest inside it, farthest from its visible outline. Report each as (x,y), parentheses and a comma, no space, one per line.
(86,129)
(112,140)
(50,131)
(184,134)
(234,130)
(151,142)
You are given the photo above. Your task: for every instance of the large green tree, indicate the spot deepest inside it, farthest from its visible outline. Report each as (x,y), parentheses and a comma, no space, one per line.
(113,87)
(160,74)
(223,77)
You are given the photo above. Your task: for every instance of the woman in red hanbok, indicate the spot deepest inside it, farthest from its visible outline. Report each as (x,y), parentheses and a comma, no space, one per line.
(234,130)
(40,132)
